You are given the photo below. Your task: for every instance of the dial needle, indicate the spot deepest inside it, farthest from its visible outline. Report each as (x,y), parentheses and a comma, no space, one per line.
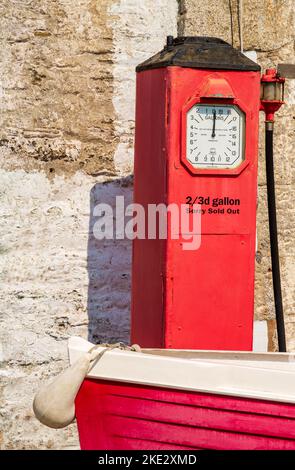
(214,122)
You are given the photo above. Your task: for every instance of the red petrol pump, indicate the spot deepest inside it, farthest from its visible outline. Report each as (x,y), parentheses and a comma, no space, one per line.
(196,142)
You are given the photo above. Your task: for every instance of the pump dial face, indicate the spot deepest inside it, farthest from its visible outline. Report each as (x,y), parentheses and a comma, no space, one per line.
(215,136)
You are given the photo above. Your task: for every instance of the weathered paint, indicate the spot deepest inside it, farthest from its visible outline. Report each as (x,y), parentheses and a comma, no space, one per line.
(117,416)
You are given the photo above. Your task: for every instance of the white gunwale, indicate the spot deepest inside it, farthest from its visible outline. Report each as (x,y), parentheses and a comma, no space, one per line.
(263,376)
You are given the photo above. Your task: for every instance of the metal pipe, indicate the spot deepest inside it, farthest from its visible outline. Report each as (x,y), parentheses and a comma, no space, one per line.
(273,233)
(240,22)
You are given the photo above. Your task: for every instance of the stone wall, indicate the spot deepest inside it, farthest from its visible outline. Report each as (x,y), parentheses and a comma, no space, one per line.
(66,143)
(66,137)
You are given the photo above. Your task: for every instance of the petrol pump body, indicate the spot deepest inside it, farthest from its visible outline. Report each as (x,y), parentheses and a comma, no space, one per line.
(197,109)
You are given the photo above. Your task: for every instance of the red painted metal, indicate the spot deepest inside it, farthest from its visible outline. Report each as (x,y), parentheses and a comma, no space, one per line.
(216,86)
(114,416)
(200,299)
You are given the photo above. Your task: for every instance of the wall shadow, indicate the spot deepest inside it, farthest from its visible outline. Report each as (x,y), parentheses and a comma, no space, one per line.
(109,271)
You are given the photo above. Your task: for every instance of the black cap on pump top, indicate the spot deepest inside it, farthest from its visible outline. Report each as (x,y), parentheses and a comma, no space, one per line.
(199,52)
